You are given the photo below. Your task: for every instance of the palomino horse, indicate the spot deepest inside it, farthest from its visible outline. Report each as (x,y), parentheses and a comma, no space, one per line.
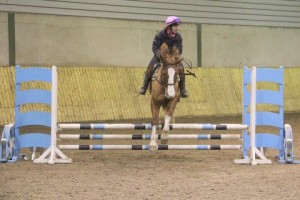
(165,91)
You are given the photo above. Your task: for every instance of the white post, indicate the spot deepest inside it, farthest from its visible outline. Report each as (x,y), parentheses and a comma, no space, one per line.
(254,151)
(52,151)
(253,116)
(252,129)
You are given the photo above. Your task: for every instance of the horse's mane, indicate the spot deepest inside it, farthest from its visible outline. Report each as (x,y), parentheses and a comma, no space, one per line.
(170,56)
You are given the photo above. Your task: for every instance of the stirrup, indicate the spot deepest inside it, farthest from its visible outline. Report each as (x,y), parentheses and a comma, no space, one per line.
(142,91)
(184,94)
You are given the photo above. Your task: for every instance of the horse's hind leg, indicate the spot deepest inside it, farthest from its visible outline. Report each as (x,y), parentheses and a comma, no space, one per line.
(165,131)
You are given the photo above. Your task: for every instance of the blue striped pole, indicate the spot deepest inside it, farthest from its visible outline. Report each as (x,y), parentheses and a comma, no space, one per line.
(149,127)
(148,136)
(146,147)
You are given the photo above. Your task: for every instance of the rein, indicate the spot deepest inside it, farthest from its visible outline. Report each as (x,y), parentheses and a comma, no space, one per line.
(190,65)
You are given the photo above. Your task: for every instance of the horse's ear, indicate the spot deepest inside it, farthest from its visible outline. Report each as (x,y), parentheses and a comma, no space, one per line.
(163,49)
(175,50)
(176,55)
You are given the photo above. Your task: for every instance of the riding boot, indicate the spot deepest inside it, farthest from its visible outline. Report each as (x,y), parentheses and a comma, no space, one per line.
(183,92)
(147,78)
(143,89)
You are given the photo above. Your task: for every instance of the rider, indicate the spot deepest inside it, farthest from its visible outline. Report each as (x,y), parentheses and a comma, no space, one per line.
(171,37)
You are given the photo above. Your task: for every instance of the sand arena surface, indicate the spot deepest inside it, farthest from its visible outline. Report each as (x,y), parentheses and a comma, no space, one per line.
(174,174)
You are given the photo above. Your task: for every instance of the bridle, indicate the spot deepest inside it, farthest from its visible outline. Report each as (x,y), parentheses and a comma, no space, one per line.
(161,81)
(165,82)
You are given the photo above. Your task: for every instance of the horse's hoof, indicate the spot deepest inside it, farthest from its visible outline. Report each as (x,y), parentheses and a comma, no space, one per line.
(164,141)
(164,137)
(153,147)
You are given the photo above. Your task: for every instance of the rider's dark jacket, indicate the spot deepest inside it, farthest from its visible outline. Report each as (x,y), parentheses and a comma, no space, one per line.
(162,37)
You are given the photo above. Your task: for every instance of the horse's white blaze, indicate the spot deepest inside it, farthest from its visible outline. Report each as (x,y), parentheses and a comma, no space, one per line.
(171,85)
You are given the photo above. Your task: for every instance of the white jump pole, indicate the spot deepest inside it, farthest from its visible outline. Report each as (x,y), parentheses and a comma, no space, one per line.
(149,127)
(148,136)
(147,147)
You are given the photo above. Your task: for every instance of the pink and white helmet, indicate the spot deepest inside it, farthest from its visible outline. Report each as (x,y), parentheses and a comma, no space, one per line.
(172,20)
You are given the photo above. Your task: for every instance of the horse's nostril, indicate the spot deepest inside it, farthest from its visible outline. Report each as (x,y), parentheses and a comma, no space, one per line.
(169,96)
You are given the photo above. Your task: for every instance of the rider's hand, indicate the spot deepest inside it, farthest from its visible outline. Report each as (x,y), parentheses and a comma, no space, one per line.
(157,54)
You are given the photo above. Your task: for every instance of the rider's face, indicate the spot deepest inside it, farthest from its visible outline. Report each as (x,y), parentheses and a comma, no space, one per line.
(175,28)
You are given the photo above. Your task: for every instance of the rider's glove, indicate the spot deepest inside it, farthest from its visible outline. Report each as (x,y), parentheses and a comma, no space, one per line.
(157,54)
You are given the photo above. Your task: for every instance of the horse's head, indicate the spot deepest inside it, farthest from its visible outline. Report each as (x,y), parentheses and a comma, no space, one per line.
(170,56)
(170,71)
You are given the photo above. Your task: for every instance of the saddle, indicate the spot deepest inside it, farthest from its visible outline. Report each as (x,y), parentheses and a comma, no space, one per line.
(154,74)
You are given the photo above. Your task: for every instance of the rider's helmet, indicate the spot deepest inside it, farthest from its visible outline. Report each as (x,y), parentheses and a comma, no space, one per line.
(171,20)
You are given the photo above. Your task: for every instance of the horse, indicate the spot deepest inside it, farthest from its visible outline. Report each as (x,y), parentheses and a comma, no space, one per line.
(164,90)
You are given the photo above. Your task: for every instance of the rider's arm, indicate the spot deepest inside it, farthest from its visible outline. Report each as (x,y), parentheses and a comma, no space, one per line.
(156,45)
(180,47)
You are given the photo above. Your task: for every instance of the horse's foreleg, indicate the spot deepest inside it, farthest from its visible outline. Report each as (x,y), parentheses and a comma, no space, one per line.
(153,144)
(165,131)
(154,123)
(168,117)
